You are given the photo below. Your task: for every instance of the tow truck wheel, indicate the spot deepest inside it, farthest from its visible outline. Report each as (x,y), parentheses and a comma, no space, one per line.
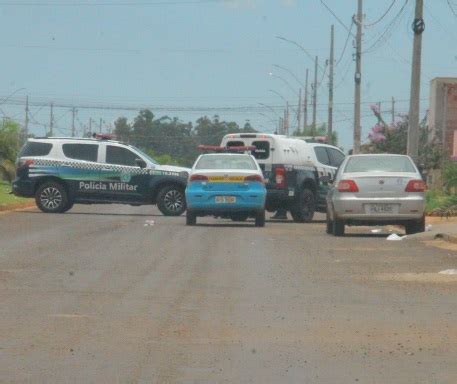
(191,218)
(329,224)
(171,201)
(304,207)
(338,227)
(51,197)
(260,219)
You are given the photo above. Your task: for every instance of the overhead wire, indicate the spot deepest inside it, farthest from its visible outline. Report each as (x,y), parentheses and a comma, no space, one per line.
(382,17)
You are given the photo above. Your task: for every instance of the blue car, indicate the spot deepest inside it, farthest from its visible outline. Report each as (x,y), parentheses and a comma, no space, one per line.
(228,185)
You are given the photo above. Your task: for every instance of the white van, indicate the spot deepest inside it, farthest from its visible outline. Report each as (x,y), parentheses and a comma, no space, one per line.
(293,168)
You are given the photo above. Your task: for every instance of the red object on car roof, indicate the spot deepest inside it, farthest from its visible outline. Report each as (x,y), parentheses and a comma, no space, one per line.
(103,136)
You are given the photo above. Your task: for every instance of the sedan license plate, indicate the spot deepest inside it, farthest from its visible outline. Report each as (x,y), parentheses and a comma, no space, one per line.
(381,208)
(225,199)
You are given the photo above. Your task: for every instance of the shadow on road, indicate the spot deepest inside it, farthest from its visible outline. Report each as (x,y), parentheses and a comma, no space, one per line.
(98,214)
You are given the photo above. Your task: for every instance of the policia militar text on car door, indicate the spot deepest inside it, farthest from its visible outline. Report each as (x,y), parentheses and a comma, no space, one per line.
(59,172)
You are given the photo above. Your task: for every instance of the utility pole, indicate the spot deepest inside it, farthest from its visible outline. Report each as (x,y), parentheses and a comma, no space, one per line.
(90,126)
(358,79)
(299,111)
(330,86)
(73,115)
(51,121)
(280,125)
(305,104)
(393,111)
(413,129)
(100,127)
(313,132)
(26,122)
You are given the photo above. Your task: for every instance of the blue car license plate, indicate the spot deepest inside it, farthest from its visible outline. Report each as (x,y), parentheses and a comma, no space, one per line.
(225,199)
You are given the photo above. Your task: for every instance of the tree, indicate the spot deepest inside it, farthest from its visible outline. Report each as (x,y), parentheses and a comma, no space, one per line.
(122,129)
(392,138)
(9,147)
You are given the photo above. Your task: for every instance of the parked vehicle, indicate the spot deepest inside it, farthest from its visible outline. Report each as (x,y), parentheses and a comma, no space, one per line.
(60,172)
(376,190)
(226,185)
(292,168)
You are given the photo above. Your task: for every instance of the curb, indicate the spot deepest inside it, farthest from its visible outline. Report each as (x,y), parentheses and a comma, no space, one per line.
(446,237)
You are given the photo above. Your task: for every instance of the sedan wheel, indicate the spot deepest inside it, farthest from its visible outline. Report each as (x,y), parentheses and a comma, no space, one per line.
(171,201)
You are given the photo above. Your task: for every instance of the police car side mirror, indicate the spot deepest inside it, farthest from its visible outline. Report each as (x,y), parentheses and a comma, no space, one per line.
(326,179)
(140,163)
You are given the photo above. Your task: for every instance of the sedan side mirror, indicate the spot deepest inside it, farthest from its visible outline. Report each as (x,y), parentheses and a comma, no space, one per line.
(140,163)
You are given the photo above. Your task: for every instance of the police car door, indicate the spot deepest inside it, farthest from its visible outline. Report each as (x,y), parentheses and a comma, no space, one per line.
(123,180)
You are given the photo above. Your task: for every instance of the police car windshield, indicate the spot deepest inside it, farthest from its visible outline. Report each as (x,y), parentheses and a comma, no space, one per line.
(226,162)
(149,158)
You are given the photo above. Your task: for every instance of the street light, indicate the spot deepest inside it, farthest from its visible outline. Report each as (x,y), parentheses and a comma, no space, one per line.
(11,95)
(290,73)
(285,82)
(301,48)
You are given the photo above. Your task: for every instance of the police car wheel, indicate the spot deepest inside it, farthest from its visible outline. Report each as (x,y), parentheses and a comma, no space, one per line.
(260,219)
(171,201)
(191,218)
(51,197)
(304,207)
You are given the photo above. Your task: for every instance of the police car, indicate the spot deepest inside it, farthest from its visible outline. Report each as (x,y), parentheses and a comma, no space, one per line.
(226,185)
(296,170)
(60,172)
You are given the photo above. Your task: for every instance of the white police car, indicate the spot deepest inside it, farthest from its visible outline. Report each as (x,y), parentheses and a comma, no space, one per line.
(59,172)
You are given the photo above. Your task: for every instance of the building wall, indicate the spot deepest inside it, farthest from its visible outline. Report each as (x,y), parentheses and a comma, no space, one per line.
(443,112)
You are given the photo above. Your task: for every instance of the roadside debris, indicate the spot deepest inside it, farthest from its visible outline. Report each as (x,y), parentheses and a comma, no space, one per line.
(395,237)
(428,228)
(376,230)
(149,223)
(448,272)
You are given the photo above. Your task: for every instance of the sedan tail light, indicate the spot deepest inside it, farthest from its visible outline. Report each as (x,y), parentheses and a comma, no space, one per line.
(415,186)
(256,178)
(198,178)
(347,186)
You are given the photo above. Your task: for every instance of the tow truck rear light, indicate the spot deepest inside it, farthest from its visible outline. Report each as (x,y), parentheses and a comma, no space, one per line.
(256,178)
(415,186)
(347,186)
(198,178)
(280,177)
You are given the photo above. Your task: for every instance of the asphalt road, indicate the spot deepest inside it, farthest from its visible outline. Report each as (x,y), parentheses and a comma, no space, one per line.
(95,296)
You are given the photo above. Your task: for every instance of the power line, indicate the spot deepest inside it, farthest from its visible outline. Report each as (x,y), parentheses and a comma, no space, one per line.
(382,17)
(383,36)
(336,16)
(452,8)
(345,45)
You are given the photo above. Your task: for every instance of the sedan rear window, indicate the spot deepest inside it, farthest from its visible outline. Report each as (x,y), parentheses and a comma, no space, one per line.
(226,162)
(380,164)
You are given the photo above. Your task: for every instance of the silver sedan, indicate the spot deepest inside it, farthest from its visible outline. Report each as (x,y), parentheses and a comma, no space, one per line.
(376,190)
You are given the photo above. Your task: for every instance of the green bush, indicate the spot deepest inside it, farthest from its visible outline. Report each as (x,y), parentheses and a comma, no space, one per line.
(441,204)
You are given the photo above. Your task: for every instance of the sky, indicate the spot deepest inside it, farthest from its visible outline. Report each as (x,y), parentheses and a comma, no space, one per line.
(189,58)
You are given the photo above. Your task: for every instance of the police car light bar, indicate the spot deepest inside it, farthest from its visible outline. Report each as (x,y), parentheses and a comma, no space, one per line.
(216,148)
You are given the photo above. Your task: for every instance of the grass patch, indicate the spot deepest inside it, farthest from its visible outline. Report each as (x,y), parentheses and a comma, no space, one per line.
(439,203)
(6,199)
